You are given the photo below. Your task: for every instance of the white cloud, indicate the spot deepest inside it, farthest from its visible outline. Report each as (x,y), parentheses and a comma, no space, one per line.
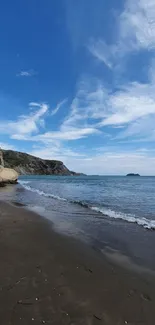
(102,52)
(113,163)
(129,111)
(25,124)
(96,107)
(68,135)
(137,23)
(59,105)
(55,151)
(89,104)
(141,130)
(110,161)
(131,103)
(34,104)
(43,108)
(7,146)
(131,106)
(136,31)
(28,73)
(27,127)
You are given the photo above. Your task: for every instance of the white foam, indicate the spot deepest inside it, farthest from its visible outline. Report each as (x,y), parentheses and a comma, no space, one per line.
(146,223)
(42,193)
(23,182)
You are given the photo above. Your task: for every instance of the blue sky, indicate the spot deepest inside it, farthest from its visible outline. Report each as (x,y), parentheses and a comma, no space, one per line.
(77,82)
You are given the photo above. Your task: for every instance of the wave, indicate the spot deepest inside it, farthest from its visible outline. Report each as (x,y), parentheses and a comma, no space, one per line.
(23,182)
(144,222)
(82,204)
(42,193)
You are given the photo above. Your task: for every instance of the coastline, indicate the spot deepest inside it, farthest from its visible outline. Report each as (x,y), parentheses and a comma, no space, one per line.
(47,278)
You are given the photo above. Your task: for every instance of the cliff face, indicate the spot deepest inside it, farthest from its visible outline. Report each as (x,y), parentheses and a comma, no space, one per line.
(26,164)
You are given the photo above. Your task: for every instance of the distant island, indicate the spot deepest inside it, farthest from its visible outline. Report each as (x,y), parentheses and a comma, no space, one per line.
(25,164)
(132,174)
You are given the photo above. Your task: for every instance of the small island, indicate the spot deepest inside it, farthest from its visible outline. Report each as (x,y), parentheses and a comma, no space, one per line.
(132,174)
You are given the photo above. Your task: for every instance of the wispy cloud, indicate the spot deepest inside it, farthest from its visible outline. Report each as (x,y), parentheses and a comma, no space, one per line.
(136,31)
(102,52)
(56,150)
(131,103)
(137,24)
(142,130)
(7,146)
(95,107)
(34,104)
(60,135)
(25,124)
(130,108)
(88,105)
(28,127)
(26,73)
(70,134)
(109,163)
(59,105)
(108,160)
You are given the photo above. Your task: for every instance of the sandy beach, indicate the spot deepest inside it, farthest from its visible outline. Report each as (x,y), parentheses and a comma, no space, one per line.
(47,278)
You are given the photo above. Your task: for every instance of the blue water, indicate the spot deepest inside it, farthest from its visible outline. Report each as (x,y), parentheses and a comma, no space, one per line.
(115,213)
(128,198)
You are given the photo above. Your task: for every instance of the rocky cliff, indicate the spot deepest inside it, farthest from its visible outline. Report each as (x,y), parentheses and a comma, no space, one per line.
(26,164)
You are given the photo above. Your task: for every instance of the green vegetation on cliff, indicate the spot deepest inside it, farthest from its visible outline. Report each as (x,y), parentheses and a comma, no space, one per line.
(26,164)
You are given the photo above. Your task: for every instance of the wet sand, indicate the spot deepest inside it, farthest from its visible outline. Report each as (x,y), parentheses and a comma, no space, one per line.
(47,278)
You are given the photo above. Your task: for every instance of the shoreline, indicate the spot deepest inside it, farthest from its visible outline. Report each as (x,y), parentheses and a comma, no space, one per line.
(48,278)
(117,239)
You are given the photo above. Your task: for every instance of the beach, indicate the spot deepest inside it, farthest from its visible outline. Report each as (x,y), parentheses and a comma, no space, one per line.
(49,278)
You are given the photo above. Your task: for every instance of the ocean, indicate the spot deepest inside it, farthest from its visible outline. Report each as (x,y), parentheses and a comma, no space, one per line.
(111,213)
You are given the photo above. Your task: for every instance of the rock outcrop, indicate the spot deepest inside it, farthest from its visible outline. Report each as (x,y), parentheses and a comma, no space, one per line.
(1,158)
(2,184)
(25,164)
(7,175)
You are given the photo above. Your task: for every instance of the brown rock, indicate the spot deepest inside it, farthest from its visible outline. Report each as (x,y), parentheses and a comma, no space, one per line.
(8,176)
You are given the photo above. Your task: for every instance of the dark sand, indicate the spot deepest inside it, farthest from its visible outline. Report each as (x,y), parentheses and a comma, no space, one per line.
(46,278)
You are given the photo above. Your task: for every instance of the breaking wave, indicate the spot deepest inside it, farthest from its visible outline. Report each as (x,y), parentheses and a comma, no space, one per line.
(144,222)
